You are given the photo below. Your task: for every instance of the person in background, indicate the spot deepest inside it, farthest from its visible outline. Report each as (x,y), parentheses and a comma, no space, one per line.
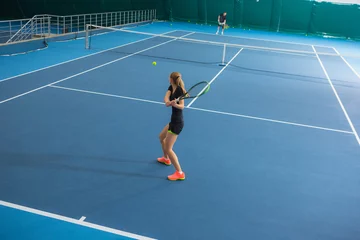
(221,22)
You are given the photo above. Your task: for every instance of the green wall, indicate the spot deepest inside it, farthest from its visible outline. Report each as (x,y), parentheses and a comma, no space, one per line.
(299,16)
(27,8)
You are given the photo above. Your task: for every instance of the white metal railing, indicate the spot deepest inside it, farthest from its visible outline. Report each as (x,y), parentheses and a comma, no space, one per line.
(9,27)
(77,23)
(47,24)
(38,26)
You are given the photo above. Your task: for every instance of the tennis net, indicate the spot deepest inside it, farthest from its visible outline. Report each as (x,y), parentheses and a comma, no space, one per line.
(189,47)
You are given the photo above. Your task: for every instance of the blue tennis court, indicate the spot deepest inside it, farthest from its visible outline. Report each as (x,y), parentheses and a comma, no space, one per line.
(272,151)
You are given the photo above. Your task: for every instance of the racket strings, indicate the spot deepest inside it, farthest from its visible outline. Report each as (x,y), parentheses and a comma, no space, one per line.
(197,90)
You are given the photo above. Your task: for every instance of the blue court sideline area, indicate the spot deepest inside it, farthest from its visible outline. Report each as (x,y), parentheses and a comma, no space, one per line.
(271,152)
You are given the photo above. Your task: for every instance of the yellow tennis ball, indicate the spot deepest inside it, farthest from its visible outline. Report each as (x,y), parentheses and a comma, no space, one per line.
(154,63)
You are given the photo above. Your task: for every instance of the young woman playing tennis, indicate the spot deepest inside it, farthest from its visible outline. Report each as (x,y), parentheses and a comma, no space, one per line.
(171,131)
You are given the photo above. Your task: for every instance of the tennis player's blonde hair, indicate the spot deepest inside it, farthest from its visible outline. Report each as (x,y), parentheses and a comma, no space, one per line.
(177,80)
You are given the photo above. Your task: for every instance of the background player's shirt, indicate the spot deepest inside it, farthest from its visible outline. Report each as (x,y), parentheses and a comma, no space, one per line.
(222,17)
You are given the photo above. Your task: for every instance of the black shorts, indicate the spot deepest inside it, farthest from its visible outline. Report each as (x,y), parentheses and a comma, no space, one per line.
(175,127)
(221,25)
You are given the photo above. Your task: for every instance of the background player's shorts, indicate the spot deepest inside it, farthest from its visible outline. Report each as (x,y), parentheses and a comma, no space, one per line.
(221,24)
(176,127)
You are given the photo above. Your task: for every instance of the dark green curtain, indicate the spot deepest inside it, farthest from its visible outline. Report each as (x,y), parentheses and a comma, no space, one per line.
(299,16)
(26,8)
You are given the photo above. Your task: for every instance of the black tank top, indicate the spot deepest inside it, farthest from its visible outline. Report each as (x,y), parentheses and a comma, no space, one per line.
(177,114)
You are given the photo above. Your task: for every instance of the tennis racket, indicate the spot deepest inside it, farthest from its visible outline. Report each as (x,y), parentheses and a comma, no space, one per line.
(195,91)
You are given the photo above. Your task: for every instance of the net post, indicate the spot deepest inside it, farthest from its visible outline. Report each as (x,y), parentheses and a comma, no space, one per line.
(223,57)
(87,36)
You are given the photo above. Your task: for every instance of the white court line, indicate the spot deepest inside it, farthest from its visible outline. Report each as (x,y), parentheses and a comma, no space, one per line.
(106,94)
(354,71)
(75,59)
(338,98)
(74,221)
(82,218)
(271,120)
(261,39)
(216,76)
(138,26)
(206,110)
(91,69)
(248,47)
(280,52)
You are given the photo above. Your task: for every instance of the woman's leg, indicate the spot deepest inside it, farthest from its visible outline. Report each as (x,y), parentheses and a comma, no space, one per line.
(162,137)
(169,143)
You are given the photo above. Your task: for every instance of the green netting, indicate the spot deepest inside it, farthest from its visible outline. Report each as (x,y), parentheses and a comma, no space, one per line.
(336,20)
(214,8)
(202,14)
(185,10)
(257,13)
(295,15)
(300,16)
(200,11)
(72,7)
(238,13)
(9,10)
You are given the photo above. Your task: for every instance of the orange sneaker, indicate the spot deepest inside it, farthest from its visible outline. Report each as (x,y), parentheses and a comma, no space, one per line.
(164,161)
(177,176)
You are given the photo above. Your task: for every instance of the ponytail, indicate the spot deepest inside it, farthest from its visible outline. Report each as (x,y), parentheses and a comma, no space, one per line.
(176,77)
(181,84)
